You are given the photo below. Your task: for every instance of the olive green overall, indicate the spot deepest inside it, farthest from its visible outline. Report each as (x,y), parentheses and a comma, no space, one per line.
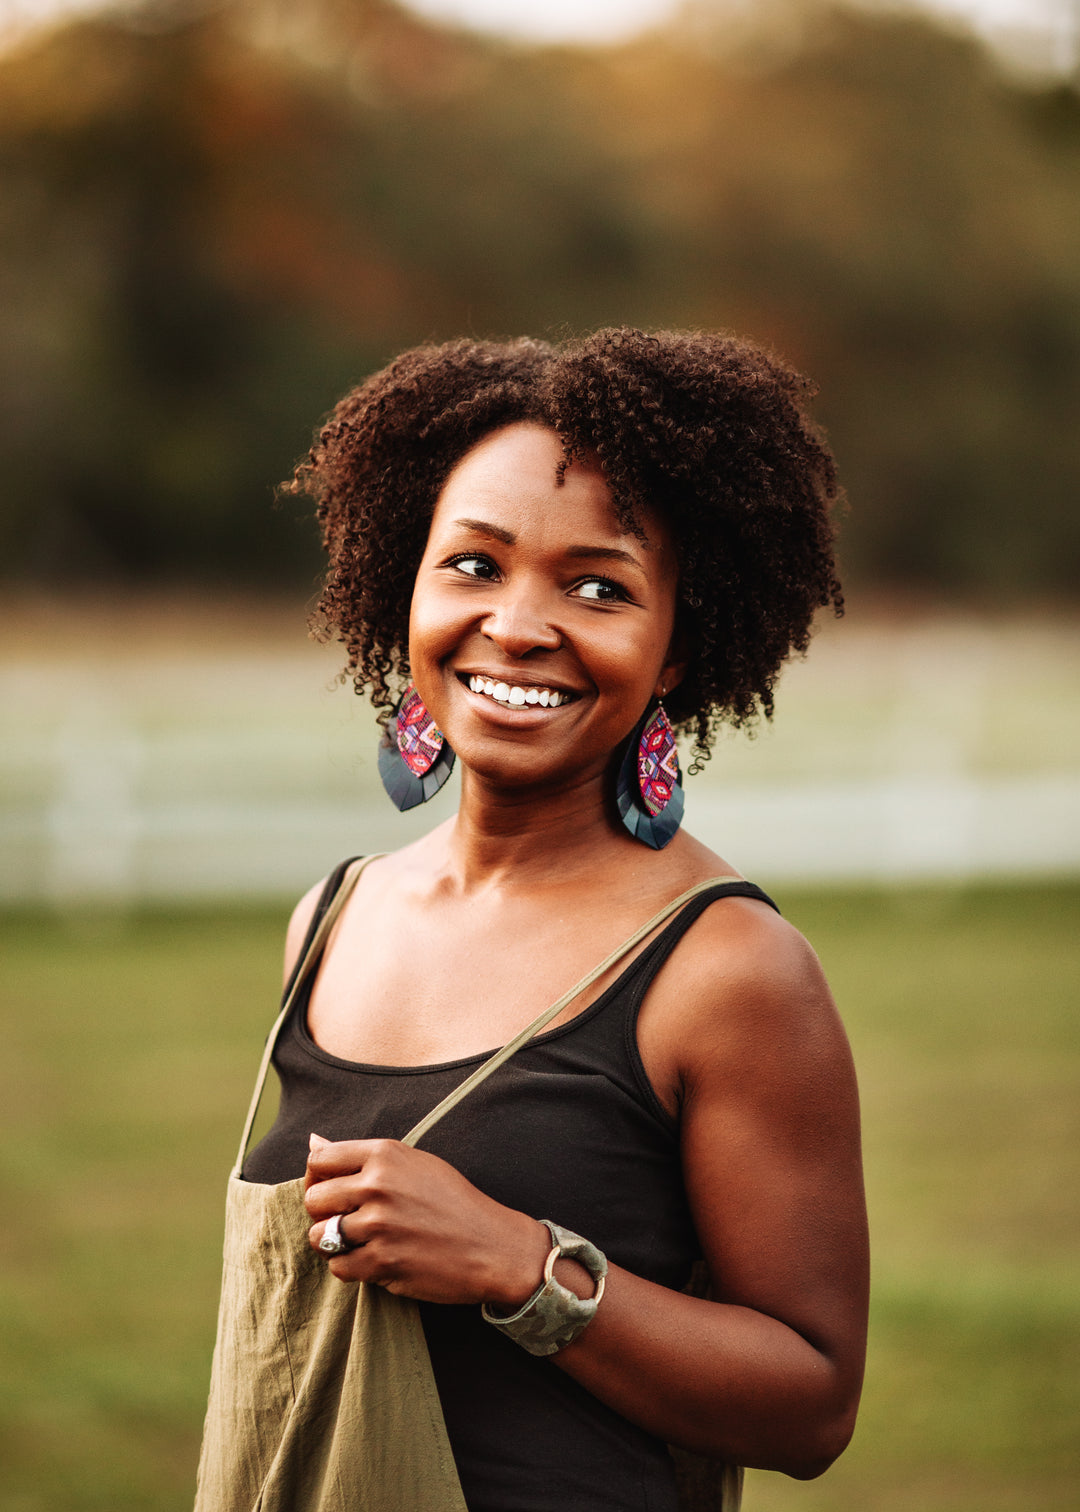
(322,1397)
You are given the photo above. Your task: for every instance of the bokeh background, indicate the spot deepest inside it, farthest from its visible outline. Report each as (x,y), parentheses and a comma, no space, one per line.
(215,215)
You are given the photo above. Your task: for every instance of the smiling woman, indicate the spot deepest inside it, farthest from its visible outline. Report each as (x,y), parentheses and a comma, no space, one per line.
(543,563)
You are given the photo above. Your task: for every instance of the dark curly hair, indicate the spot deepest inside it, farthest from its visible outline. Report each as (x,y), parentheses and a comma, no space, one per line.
(709,430)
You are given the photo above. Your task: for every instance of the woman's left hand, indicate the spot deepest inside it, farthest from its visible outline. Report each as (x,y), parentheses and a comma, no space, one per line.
(420,1229)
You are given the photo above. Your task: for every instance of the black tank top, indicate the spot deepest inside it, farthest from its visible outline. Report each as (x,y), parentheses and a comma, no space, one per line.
(568,1129)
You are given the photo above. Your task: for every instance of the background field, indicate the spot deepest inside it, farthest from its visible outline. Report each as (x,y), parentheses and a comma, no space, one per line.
(130,1045)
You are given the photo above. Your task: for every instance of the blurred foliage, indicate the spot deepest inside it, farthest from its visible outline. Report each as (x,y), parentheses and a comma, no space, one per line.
(215,218)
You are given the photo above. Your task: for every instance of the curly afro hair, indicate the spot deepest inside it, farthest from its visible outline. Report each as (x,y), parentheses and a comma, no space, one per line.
(709,430)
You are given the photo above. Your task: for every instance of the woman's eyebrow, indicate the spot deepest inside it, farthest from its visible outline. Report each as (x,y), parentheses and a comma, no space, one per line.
(508,538)
(607,553)
(484,528)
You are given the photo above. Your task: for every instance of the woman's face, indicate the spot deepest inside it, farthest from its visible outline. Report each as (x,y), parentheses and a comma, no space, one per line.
(539,629)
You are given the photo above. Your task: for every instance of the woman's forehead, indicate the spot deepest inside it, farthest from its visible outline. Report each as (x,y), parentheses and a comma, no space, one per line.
(526,451)
(517,479)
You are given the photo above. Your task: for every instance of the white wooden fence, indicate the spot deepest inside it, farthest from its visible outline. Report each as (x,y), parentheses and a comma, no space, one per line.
(930,751)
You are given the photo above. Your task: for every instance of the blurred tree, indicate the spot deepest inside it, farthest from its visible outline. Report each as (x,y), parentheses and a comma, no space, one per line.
(216,217)
(905,224)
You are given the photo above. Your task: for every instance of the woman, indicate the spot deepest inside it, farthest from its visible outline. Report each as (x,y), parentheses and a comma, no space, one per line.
(556,556)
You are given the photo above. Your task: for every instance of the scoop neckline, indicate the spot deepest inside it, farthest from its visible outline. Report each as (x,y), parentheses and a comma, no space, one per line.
(309,1044)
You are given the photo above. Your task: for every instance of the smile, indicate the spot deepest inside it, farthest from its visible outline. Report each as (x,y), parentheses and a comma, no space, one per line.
(514,697)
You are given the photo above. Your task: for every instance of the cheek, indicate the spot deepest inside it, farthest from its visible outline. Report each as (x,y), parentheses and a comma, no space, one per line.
(428,620)
(436,629)
(652,641)
(625,670)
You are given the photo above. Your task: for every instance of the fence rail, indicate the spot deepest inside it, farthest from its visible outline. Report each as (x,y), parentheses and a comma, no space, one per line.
(146,760)
(93,834)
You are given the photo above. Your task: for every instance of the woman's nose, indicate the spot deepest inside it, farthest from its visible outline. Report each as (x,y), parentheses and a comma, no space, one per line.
(521,622)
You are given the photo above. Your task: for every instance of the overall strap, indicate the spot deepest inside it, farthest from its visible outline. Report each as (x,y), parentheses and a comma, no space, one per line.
(493,1062)
(309,958)
(326,897)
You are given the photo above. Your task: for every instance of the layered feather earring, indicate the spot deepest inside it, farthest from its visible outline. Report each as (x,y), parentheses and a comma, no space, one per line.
(415,758)
(649,791)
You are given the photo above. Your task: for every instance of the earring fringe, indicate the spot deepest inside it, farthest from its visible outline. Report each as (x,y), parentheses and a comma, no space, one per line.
(415,758)
(649,792)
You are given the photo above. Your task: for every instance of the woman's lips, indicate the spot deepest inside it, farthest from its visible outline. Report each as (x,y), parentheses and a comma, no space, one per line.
(517,695)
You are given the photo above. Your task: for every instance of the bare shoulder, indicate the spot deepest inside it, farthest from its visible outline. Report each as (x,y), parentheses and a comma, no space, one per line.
(751,955)
(742,1001)
(382,875)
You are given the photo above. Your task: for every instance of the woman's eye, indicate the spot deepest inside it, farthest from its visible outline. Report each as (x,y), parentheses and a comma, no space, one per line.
(601,590)
(474,566)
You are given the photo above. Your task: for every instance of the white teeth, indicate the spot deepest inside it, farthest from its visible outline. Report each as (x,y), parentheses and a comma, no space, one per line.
(503,693)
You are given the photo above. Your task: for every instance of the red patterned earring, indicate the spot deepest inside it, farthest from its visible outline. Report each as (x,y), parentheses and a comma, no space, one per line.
(649,790)
(415,758)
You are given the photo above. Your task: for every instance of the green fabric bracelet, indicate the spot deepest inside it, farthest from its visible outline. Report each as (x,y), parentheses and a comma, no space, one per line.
(553,1317)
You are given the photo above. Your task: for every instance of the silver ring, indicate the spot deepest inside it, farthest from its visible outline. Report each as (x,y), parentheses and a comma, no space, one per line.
(333,1241)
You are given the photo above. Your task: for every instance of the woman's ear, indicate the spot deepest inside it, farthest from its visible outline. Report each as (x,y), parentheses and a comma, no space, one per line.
(675,664)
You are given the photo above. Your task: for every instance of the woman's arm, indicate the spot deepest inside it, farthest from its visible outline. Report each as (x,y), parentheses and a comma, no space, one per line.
(740,1028)
(770,1374)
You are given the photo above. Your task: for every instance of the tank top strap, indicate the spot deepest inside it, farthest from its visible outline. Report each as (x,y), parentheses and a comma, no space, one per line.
(642,971)
(618,1047)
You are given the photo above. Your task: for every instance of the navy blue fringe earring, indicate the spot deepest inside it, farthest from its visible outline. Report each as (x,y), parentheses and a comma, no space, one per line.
(648,792)
(415,758)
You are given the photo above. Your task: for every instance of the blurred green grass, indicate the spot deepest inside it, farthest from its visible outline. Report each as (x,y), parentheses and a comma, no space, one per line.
(130,1044)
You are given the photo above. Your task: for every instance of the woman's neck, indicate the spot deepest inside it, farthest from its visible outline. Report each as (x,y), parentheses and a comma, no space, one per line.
(514,836)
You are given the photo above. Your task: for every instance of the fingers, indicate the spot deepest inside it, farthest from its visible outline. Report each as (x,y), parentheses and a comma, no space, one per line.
(328,1157)
(341,1195)
(328,1201)
(359,1263)
(315,1142)
(349,1266)
(331,1237)
(357,1266)
(344,1175)
(336,1185)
